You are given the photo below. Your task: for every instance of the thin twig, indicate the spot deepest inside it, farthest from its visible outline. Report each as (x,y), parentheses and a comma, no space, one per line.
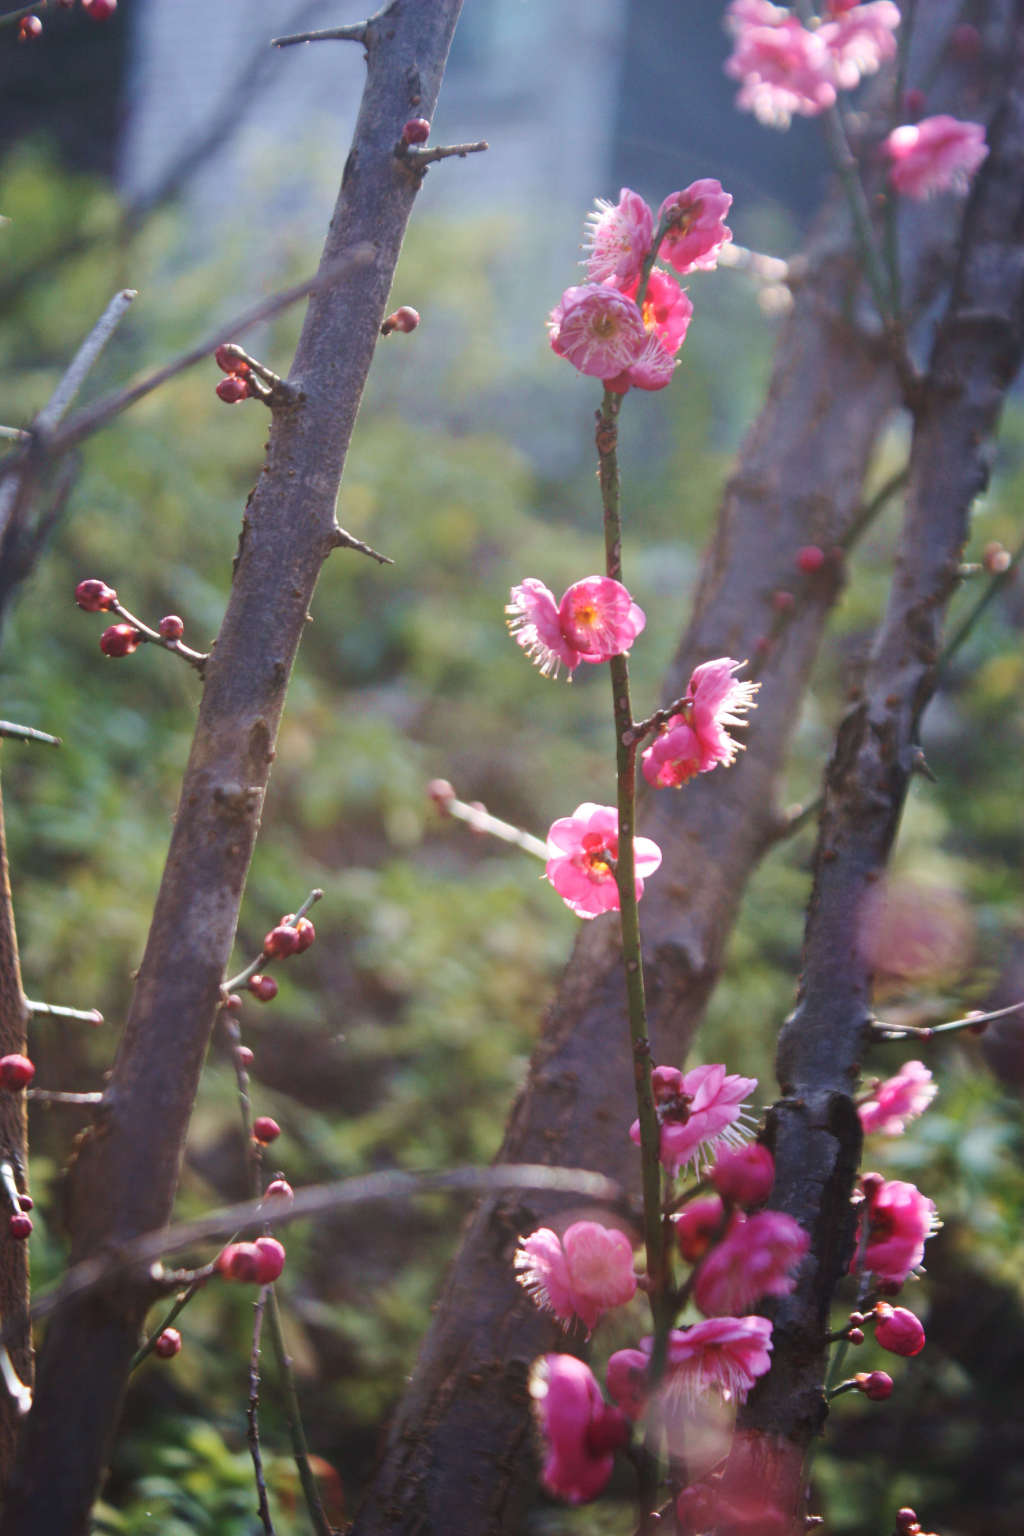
(55,1011)
(253,1409)
(355,32)
(18,434)
(53,1096)
(479,818)
(89,420)
(27,733)
(882,1031)
(419,159)
(300,1448)
(342,539)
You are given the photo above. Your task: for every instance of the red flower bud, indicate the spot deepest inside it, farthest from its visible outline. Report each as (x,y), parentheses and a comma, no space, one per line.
(95,596)
(855,1336)
(783,601)
(810,559)
(29,28)
(26,1202)
(281,942)
(263,987)
(996,559)
(442,793)
(265,1130)
(232,389)
(307,934)
(245,1056)
(232,1002)
(279,1189)
(168,1344)
(696,1226)
(119,640)
(16,1072)
(20,1227)
(99,10)
(898,1330)
(416,131)
(875,1385)
(405,318)
(227,362)
(171,627)
(239,1261)
(271,1259)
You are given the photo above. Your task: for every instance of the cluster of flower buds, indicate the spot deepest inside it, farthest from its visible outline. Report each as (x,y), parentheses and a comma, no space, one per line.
(235,386)
(94,596)
(258,1263)
(291,936)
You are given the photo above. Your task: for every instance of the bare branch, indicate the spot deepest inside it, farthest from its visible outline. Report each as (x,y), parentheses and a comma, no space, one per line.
(355,32)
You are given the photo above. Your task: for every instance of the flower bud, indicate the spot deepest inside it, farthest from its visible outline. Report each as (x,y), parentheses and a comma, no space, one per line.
(168,1344)
(280,1190)
(95,596)
(239,1261)
(442,793)
(744,1175)
(227,362)
(171,627)
(898,1330)
(26,1202)
(29,28)
(416,131)
(810,559)
(855,1336)
(996,559)
(405,318)
(876,1385)
(270,1261)
(20,1227)
(783,601)
(281,942)
(265,1130)
(16,1072)
(120,640)
(232,389)
(263,987)
(99,10)
(244,1056)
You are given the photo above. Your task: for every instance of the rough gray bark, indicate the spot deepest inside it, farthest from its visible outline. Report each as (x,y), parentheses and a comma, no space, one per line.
(459,1457)
(976,354)
(124,1177)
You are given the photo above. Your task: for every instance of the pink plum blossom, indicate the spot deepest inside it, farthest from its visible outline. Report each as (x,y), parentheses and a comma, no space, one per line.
(783,68)
(667,313)
(900,1220)
(582,1274)
(695,740)
(653,369)
(859,39)
(696,1227)
(618,237)
(582,852)
(579,1429)
(597,329)
(697,1111)
(897,1100)
(595,620)
(756,1258)
(898,1330)
(699,230)
(938,154)
(742,14)
(744,1175)
(726,1354)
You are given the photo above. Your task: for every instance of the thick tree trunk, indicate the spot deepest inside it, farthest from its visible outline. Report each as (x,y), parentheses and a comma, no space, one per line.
(126,1171)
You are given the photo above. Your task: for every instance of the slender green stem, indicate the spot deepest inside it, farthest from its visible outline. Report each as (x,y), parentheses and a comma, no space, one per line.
(300,1449)
(625,875)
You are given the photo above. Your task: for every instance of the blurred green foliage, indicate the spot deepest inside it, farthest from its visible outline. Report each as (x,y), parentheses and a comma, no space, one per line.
(400,1039)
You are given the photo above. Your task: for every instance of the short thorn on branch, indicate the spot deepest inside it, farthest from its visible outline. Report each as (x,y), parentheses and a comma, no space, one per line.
(340,539)
(54,1096)
(55,1011)
(355,32)
(418,159)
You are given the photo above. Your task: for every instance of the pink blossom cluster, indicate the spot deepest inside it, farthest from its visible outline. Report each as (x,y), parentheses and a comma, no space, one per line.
(938,154)
(697,1111)
(696,740)
(787,69)
(599,326)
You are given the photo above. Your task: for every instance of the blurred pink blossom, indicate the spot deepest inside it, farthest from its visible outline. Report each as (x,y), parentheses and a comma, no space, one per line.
(595,620)
(756,1258)
(697,1111)
(699,230)
(898,1099)
(938,154)
(900,1220)
(582,1274)
(618,237)
(583,849)
(744,1174)
(597,329)
(697,1225)
(783,67)
(695,740)
(626,1380)
(579,1429)
(859,39)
